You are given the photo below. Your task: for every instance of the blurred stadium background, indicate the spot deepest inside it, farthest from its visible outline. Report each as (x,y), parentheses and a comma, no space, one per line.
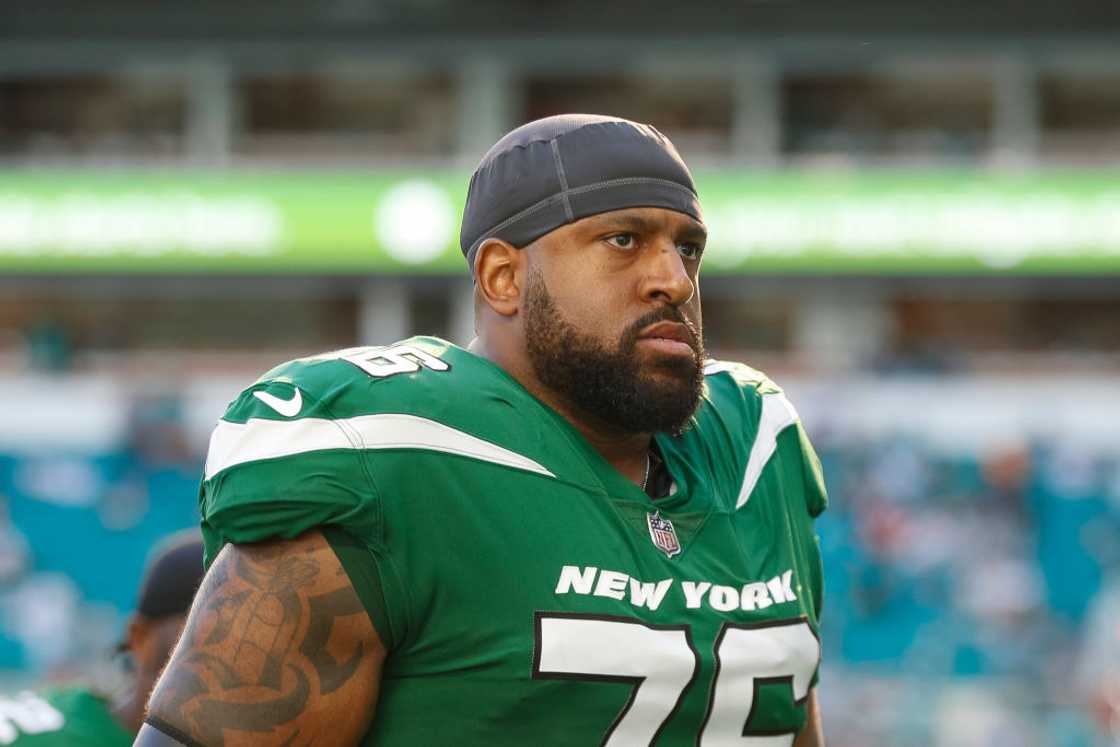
(915,213)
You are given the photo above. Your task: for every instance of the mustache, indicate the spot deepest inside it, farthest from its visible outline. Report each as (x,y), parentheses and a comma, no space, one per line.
(663,314)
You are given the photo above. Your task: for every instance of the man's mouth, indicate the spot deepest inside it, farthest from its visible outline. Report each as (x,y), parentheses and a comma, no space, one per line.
(672,338)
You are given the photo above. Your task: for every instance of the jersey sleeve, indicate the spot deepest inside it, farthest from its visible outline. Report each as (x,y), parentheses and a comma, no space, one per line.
(279,464)
(758,422)
(816,501)
(810,480)
(801,472)
(767,437)
(816,496)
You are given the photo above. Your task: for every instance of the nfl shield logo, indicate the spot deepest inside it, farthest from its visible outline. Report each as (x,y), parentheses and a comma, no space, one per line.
(662,533)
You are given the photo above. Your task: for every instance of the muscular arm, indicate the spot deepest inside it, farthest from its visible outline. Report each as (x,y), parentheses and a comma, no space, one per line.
(277,650)
(812,735)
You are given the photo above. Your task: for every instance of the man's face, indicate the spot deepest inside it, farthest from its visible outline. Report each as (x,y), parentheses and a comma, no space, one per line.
(612,317)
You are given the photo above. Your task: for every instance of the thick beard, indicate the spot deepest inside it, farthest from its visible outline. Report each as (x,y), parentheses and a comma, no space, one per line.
(608,384)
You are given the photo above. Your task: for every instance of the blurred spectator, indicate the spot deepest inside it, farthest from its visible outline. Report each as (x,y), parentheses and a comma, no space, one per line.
(157,461)
(48,346)
(78,716)
(14,552)
(156,435)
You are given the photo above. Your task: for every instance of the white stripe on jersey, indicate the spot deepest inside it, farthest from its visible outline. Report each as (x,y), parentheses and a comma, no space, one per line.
(712,366)
(237,443)
(777,415)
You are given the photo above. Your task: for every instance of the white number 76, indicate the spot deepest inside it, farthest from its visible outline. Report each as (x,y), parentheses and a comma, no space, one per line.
(661,662)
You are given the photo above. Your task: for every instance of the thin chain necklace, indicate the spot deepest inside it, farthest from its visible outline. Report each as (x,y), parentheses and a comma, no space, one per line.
(646,478)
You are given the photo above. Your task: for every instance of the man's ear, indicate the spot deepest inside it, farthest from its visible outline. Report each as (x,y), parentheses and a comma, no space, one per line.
(499,274)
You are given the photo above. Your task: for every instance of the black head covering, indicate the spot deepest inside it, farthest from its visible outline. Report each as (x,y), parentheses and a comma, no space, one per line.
(172,577)
(560,169)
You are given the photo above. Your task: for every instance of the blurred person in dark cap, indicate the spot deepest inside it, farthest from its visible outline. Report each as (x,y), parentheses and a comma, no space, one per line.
(78,716)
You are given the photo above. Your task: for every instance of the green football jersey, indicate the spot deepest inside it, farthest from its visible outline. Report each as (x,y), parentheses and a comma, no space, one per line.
(526,590)
(73,717)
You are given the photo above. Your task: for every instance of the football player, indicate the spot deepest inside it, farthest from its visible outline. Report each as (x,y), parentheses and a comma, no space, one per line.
(577,531)
(79,716)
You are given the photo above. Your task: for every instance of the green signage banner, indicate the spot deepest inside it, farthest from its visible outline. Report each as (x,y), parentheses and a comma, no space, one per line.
(407,222)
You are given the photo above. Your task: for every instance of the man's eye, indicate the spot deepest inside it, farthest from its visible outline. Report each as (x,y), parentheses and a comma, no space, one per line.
(622,240)
(690,250)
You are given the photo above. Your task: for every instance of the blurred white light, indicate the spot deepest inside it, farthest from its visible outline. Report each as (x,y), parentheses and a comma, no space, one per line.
(137,224)
(415,222)
(1000,230)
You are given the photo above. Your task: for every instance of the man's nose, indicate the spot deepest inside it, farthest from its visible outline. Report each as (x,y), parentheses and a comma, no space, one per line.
(666,277)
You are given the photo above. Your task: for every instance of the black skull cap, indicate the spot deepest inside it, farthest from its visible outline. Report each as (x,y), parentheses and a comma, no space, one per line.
(557,170)
(172,576)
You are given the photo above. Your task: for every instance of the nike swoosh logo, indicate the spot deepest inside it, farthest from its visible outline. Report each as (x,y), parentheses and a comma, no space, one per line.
(286,407)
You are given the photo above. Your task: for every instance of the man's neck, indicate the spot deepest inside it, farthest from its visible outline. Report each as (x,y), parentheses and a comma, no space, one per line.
(627,452)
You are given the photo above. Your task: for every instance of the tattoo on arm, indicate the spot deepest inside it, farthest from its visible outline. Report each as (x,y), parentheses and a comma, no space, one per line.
(277,639)
(324,607)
